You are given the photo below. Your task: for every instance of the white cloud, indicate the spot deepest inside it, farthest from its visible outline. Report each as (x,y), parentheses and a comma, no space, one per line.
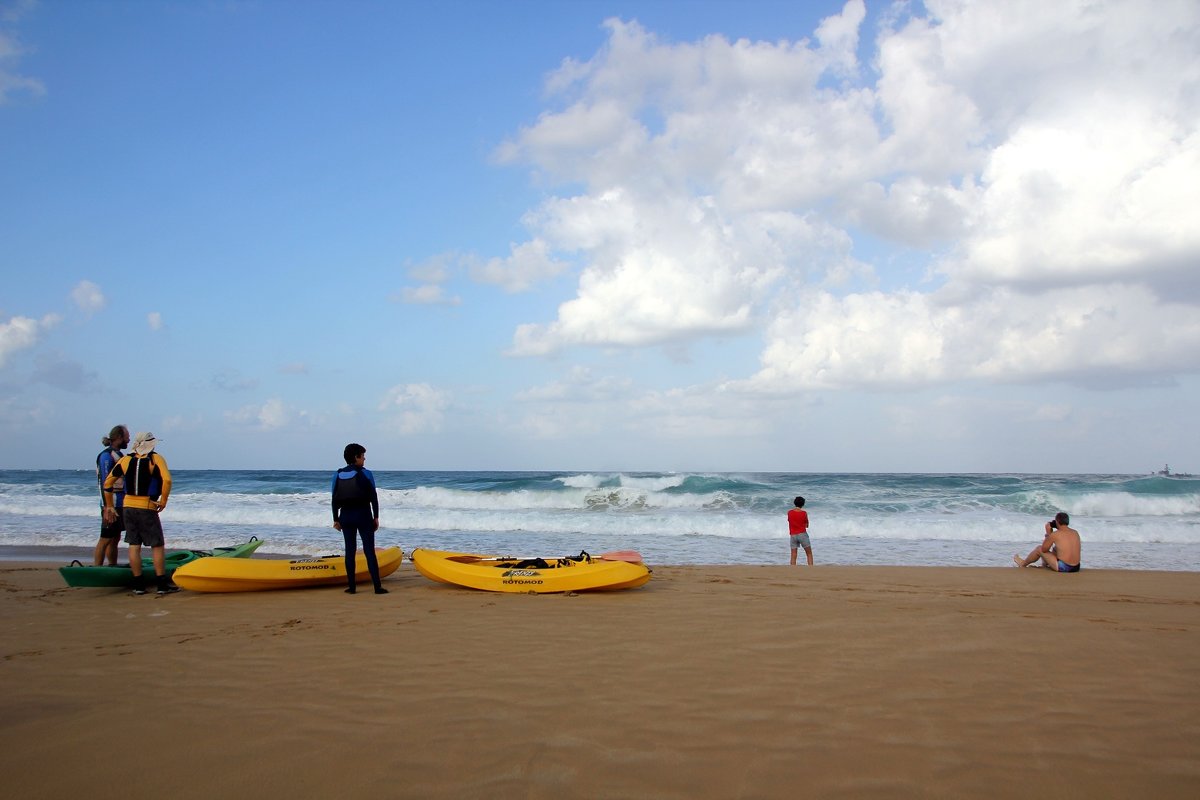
(88,297)
(415,408)
(688,226)
(910,210)
(430,294)
(1087,158)
(11,50)
(838,36)
(268,416)
(1046,155)
(437,269)
(1113,333)
(931,122)
(527,264)
(1095,196)
(579,385)
(739,119)
(20,333)
(660,270)
(155,320)
(432,273)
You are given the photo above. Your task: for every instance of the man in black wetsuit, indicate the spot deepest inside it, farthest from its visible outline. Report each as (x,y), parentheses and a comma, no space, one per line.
(356,513)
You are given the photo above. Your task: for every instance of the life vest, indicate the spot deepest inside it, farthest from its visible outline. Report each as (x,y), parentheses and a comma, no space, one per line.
(352,488)
(141,478)
(101,473)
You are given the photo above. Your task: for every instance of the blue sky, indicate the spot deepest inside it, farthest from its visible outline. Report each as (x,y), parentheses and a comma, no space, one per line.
(656,235)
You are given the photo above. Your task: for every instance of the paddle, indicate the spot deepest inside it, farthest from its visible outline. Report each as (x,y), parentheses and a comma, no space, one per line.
(632,556)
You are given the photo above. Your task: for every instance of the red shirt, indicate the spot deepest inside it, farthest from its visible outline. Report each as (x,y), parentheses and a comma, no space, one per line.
(797,521)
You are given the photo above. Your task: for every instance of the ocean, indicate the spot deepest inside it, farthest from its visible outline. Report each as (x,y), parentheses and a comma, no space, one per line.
(1126,521)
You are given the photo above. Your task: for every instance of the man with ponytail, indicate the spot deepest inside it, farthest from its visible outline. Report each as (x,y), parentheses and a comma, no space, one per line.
(111,522)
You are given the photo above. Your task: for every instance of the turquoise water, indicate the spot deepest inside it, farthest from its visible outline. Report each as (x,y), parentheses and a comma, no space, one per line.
(1136,522)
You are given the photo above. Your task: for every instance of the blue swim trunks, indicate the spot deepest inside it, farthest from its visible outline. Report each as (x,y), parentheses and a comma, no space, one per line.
(1065,567)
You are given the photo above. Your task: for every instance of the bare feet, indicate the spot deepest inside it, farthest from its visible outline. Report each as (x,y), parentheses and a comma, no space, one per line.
(1020,562)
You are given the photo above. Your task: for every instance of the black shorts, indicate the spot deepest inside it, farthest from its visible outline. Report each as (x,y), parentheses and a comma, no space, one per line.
(112,531)
(142,526)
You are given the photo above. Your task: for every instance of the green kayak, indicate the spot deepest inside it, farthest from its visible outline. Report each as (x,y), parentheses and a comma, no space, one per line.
(79,574)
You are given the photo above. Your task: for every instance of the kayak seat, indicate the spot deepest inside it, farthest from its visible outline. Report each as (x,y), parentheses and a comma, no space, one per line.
(531,563)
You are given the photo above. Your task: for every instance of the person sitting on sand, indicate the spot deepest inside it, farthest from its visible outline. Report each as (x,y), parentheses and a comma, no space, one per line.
(1060,550)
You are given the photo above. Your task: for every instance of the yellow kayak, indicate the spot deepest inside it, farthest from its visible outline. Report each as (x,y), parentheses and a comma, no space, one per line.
(582,573)
(259,574)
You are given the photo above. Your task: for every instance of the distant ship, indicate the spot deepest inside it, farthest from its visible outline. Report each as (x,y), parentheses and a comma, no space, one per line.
(1165,472)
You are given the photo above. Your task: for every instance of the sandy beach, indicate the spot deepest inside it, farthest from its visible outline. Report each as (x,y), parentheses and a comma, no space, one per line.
(722,682)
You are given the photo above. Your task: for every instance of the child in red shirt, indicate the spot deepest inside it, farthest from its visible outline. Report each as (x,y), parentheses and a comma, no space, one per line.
(798,529)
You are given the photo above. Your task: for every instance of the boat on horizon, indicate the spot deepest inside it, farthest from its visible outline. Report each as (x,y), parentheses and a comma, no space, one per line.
(1165,472)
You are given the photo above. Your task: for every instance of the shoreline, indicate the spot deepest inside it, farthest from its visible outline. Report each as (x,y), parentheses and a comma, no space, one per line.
(747,681)
(62,555)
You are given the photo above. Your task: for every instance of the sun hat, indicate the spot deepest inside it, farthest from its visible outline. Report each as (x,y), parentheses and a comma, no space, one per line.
(143,443)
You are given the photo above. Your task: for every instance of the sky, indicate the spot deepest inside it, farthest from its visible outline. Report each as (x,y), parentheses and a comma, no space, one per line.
(822,236)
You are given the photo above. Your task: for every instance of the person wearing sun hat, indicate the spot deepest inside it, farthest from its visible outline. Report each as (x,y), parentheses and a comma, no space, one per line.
(147,487)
